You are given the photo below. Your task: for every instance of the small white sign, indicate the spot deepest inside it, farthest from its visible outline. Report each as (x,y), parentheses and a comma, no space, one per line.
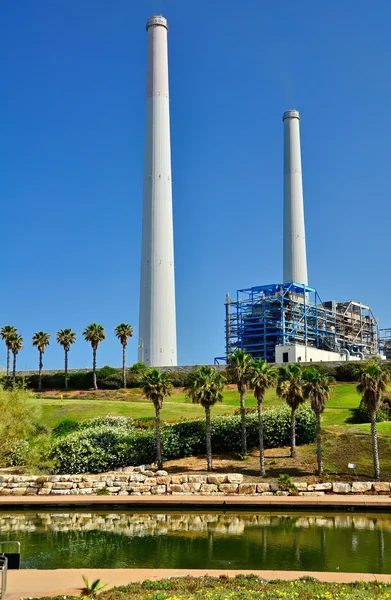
(351,466)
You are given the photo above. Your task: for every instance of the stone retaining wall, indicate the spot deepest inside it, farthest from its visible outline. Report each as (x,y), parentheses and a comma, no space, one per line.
(137,481)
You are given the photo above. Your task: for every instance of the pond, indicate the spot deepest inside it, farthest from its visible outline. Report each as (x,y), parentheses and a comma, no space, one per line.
(354,542)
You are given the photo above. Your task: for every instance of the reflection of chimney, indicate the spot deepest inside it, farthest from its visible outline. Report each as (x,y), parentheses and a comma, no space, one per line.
(157,326)
(295,258)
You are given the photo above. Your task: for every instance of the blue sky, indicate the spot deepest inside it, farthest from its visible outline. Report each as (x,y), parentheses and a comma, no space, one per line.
(71,159)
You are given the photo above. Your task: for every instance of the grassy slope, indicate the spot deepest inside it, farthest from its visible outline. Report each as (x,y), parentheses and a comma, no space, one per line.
(339,410)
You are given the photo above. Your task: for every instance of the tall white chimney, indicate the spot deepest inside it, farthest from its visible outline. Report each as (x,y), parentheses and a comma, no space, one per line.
(295,257)
(157,324)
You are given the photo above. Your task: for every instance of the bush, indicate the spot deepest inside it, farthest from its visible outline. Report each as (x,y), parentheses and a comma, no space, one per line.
(19,454)
(100,449)
(109,442)
(17,422)
(108,421)
(383,412)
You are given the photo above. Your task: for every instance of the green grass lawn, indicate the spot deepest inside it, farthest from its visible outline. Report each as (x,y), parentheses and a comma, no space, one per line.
(344,399)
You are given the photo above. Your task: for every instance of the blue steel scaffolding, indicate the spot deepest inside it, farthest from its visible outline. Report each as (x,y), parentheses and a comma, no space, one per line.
(278,314)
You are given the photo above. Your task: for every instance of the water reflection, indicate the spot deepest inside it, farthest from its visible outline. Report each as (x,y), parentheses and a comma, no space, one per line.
(251,540)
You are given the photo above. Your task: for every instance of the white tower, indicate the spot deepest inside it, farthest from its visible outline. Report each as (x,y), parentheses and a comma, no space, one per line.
(157,325)
(295,258)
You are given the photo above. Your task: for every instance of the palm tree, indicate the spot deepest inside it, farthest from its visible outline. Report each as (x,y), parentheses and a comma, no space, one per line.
(205,388)
(156,387)
(66,337)
(15,342)
(123,332)
(40,341)
(317,390)
(94,334)
(373,384)
(5,332)
(239,370)
(290,387)
(263,376)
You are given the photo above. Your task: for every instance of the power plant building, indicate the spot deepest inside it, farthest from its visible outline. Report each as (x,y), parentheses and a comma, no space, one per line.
(287,322)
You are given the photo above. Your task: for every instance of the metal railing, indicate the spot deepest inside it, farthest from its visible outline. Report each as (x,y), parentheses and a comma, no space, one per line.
(3,572)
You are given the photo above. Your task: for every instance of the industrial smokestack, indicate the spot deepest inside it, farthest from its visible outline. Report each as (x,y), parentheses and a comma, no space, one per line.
(157,324)
(295,258)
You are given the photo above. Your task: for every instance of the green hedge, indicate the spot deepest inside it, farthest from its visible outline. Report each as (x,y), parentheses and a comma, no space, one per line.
(109,442)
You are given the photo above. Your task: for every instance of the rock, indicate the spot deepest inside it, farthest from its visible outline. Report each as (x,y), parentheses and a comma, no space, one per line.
(217,478)
(66,485)
(341,488)
(381,486)
(83,485)
(179,479)
(301,486)
(123,493)
(124,478)
(191,488)
(311,493)
(161,473)
(197,479)
(44,492)
(229,488)
(162,480)
(360,486)
(209,488)
(247,488)
(59,492)
(263,487)
(234,478)
(274,486)
(158,489)
(267,494)
(319,487)
(147,473)
(174,488)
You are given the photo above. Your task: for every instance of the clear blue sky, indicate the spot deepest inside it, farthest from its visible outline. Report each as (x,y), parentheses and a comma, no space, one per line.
(71,159)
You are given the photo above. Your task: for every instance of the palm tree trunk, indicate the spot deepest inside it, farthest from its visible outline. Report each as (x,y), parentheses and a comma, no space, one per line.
(14,369)
(158,439)
(8,361)
(261,449)
(374,445)
(293,433)
(319,444)
(66,368)
(40,372)
(94,368)
(243,424)
(208,439)
(124,366)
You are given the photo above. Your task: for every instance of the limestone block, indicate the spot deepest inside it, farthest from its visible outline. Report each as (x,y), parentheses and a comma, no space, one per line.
(77,478)
(311,493)
(5,492)
(274,486)
(44,491)
(163,480)
(147,473)
(84,491)
(65,477)
(174,487)
(97,485)
(217,478)
(361,486)
(123,493)
(267,494)
(161,473)
(209,488)
(84,485)
(124,478)
(112,489)
(263,487)
(381,486)
(247,488)
(66,485)
(54,478)
(179,479)
(234,478)
(31,491)
(301,486)
(158,489)
(229,488)
(341,488)
(47,484)
(60,492)
(319,487)
(197,479)
(191,488)
(19,491)
(151,481)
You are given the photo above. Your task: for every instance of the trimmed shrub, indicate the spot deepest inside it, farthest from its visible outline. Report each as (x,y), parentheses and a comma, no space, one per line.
(100,449)
(109,442)
(108,421)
